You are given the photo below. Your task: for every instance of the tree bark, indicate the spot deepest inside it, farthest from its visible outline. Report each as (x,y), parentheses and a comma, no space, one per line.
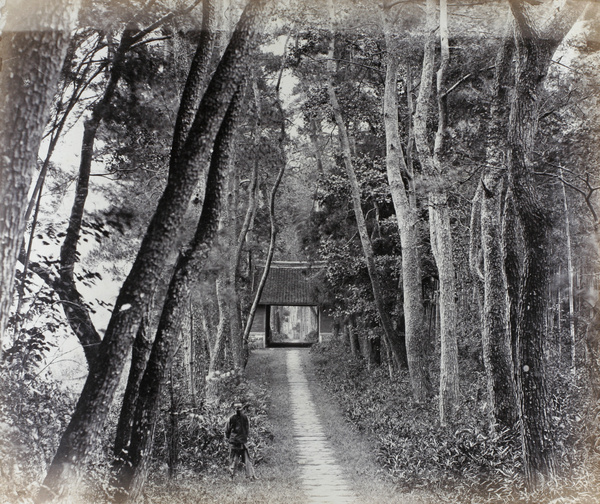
(32,50)
(534,54)
(270,253)
(571,275)
(497,349)
(439,212)
(236,333)
(142,346)
(139,357)
(93,406)
(133,472)
(443,247)
(496,338)
(194,86)
(401,182)
(173,430)
(216,355)
(512,244)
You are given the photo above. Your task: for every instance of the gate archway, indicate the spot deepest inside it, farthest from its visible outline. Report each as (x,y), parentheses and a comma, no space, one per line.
(290,307)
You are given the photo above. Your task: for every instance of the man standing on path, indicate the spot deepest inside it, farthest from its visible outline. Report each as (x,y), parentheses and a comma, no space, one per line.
(236,432)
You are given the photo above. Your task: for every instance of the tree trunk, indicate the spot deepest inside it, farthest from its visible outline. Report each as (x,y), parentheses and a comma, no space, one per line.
(496,337)
(571,289)
(235,320)
(133,473)
(406,216)
(353,340)
(398,352)
(252,206)
(442,246)
(32,50)
(74,307)
(512,244)
(269,259)
(272,223)
(139,357)
(191,361)
(197,76)
(189,102)
(173,431)
(76,88)
(439,213)
(439,222)
(534,54)
(497,349)
(216,354)
(93,406)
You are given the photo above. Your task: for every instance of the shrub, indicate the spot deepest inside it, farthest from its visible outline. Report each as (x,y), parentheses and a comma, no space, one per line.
(203,448)
(34,413)
(464,463)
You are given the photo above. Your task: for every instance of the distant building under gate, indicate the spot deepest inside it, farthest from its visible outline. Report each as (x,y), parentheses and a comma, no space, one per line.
(290,311)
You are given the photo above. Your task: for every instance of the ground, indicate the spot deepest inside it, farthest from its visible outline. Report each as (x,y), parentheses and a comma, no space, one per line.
(282,471)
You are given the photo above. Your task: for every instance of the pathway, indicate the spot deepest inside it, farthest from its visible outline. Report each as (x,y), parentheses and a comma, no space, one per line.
(322,478)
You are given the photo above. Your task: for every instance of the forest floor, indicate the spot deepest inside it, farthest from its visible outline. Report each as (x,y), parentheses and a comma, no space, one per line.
(282,471)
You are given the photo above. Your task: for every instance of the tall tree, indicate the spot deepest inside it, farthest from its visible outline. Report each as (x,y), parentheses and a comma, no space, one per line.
(190,98)
(33,46)
(439,211)
(249,216)
(536,43)
(85,72)
(231,269)
(397,350)
(134,469)
(74,307)
(273,227)
(401,180)
(486,237)
(98,392)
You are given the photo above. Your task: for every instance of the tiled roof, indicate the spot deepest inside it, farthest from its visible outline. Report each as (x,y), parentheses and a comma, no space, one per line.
(291,284)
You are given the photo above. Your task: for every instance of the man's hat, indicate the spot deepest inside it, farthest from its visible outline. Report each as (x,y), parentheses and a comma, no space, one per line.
(237,404)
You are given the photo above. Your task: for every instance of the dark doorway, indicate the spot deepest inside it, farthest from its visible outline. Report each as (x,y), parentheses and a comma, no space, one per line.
(292,325)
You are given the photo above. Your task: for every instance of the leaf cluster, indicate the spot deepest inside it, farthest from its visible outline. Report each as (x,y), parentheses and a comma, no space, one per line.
(466,461)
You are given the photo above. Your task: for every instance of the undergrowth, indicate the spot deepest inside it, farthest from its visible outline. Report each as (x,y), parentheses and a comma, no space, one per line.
(465,462)
(203,447)
(34,413)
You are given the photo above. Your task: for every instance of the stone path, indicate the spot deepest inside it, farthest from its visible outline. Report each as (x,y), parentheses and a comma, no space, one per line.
(322,478)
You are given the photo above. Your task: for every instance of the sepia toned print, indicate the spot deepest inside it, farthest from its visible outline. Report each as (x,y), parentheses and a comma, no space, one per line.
(370,228)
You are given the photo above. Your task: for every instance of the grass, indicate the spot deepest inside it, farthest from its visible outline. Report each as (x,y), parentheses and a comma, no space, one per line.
(355,451)
(463,462)
(276,470)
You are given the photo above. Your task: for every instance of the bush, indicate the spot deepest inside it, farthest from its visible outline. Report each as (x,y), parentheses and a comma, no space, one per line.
(203,448)
(34,413)
(463,463)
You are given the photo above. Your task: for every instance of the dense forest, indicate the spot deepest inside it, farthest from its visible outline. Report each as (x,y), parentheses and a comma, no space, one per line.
(439,162)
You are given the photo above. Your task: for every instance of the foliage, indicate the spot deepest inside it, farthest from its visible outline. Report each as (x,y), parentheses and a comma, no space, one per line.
(34,412)
(465,462)
(204,449)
